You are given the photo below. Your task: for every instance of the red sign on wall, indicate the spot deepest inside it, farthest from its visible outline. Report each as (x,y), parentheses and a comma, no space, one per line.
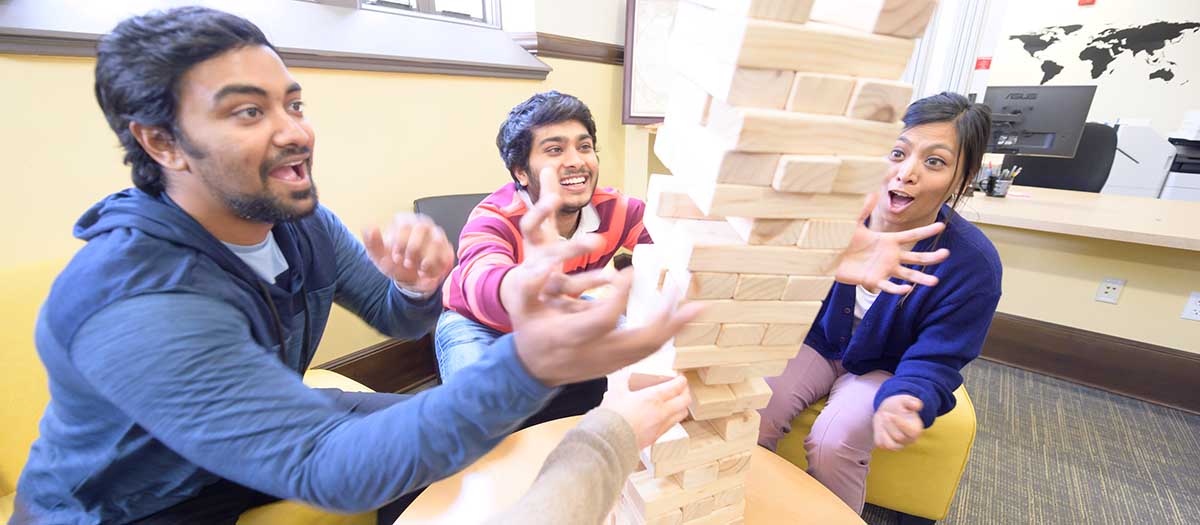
(983,63)
(1087,2)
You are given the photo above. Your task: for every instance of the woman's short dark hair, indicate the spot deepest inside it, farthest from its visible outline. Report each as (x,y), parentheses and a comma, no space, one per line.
(973,124)
(515,139)
(139,64)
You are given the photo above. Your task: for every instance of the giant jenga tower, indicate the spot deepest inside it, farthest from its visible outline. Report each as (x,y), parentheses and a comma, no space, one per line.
(778,124)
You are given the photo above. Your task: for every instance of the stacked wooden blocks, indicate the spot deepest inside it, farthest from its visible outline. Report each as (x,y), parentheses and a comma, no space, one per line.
(778,123)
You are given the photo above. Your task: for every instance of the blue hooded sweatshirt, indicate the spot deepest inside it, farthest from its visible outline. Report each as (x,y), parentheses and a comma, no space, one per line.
(173,365)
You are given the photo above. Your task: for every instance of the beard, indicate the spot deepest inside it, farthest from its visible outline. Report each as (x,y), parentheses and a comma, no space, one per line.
(263,205)
(535,190)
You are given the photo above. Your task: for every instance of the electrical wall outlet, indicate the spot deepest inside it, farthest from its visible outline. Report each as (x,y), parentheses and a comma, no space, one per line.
(1191,310)
(1110,290)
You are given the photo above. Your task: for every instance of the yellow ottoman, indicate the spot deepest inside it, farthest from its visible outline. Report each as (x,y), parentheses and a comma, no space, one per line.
(919,480)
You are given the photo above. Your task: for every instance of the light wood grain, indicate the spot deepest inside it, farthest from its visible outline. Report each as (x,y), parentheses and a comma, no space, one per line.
(814,47)
(741,334)
(900,18)
(881,100)
(828,234)
(1137,220)
(785,334)
(774,131)
(758,311)
(691,357)
(861,173)
(698,334)
(760,88)
(820,93)
(807,288)
(759,287)
(694,477)
(696,152)
(806,173)
(767,232)
(731,200)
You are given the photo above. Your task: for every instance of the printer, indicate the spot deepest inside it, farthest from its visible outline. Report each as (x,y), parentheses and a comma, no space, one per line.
(1141,162)
(1183,181)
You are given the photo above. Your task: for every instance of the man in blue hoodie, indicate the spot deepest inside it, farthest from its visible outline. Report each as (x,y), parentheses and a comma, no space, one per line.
(176,338)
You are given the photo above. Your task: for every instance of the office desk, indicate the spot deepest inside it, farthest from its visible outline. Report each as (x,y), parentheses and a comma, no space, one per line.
(776,491)
(1154,222)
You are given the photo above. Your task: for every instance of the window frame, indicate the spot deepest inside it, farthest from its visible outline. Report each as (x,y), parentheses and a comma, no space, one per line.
(428,9)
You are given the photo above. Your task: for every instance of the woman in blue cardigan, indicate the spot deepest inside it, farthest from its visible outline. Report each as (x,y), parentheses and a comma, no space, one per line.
(890,363)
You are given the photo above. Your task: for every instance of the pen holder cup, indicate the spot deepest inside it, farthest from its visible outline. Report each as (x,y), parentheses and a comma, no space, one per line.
(998,187)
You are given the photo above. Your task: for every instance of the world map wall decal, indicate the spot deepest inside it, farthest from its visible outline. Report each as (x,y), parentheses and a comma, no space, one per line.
(1101,50)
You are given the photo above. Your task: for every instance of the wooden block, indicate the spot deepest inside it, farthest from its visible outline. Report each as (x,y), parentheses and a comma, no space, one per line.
(759,287)
(696,334)
(807,288)
(767,232)
(736,425)
(751,394)
(766,368)
(700,508)
(692,357)
(626,513)
(666,196)
(758,311)
(806,173)
(728,42)
(820,93)
(706,446)
(673,444)
(723,375)
(714,246)
(828,234)
(760,88)
(730,497)
(775,131)
(657,496)
(785,334)
(741,334)
(698,152)
(694,477)
(722,516)
(901,18)
(861,174)
(687,103)
(730,200)
(881,100)
(711,285)
(709,401)
(735,464)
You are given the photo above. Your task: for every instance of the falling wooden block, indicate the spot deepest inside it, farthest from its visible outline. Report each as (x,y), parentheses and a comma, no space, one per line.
(691,357)
(673,444)
(699,153)
(697,334)
(819,93)
(812,47)
(737,424)
(757,311)
(827,234)
(709,401)
(861,174)
(901,18)
(775,131)
(751,394)
(700,508)
(730,497)
(785,334)
(767,232)
(807,288)
(806,173)
(741,334)
(736,464)
(758,287)
(881,100)
(694,477)
(731,200)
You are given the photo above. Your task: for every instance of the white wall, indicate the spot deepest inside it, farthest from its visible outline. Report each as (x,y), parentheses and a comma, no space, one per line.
(1125,90)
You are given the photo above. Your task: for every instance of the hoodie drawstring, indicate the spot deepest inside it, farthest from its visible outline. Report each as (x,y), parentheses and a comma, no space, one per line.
(279,334)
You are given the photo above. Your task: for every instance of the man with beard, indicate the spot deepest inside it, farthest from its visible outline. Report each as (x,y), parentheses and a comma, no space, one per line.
(548,129)
(176,338)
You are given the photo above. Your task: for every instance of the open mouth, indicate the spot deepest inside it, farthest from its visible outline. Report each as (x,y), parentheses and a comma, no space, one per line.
(294,171)
(899,200)
(574,182)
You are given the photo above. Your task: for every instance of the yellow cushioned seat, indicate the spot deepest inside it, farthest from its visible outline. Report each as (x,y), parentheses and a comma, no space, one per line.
(24,394)
(920,479)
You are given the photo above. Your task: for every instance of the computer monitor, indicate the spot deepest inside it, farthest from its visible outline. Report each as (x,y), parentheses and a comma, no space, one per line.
(1044,121)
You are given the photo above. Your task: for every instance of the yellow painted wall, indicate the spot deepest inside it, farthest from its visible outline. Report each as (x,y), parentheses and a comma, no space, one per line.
(1053,278)
(383,139)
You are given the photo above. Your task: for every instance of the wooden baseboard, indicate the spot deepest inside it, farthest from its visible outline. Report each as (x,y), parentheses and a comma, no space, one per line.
(400,366)
(1152,373)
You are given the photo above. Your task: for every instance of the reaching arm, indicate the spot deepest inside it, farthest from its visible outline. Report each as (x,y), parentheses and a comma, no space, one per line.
(198,383)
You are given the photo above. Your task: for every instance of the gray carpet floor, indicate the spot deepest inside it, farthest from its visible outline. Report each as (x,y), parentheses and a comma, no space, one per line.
(1052,452)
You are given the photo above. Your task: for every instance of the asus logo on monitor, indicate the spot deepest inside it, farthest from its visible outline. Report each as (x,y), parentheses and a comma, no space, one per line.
(1021,96)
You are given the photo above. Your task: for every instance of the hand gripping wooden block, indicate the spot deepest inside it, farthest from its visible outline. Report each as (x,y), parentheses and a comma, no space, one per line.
(901,18)
(881,100)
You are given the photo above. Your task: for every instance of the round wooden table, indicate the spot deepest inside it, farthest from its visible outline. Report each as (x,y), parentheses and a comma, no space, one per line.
(776,491)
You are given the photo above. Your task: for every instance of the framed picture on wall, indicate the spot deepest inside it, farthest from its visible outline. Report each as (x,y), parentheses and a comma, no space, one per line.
(647,73)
